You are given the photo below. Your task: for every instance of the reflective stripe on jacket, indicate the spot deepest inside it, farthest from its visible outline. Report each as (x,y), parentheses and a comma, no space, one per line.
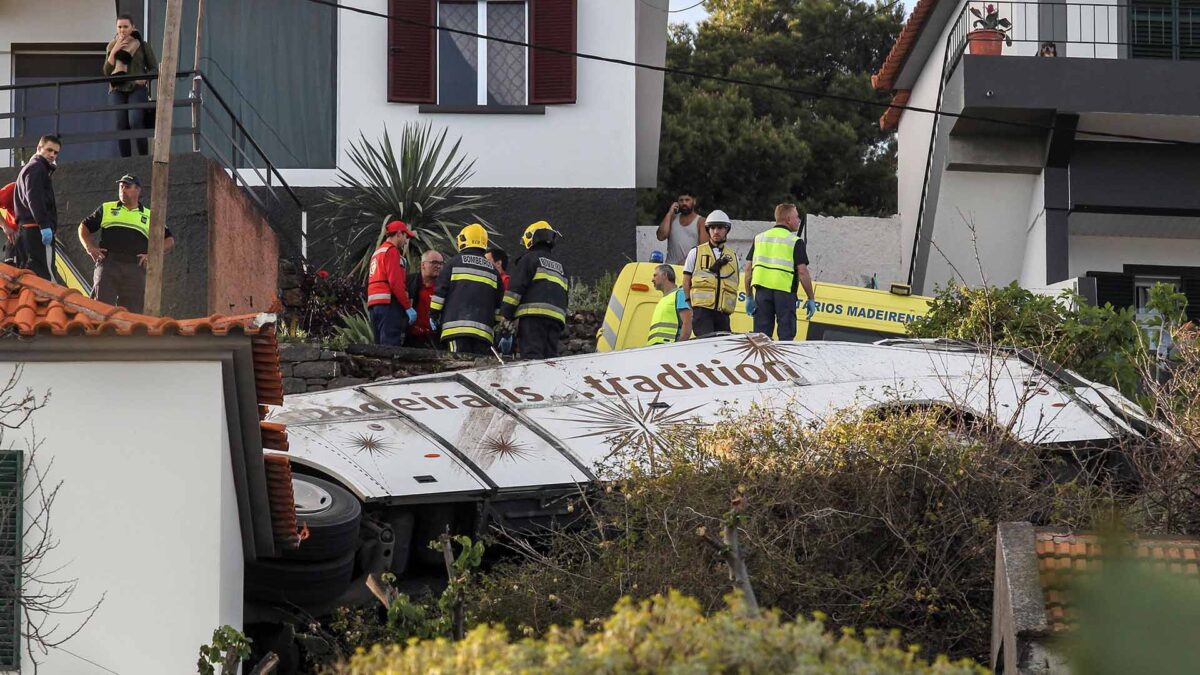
(717,291)
(538,287)
(664,324)
(774,263)
(467,296)
(386,281)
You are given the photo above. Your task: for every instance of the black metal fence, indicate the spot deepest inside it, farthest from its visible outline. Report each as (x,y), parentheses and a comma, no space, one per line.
(203,121)
(1090,30)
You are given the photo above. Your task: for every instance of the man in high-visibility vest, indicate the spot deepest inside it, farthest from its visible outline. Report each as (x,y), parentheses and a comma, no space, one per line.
(672,318)
(387,287)
(120,257)
(777,261)
(710,278)
(466,302)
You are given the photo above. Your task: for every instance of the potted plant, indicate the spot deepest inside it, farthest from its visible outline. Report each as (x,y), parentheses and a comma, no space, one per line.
(990,32)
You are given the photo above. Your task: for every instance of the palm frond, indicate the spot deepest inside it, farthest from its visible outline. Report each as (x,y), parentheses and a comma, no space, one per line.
(421,182)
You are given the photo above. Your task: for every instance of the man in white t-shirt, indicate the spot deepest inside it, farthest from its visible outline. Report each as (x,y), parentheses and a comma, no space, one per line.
(682,228)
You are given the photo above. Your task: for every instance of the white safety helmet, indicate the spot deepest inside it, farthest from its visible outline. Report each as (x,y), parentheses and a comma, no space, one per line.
(718,217)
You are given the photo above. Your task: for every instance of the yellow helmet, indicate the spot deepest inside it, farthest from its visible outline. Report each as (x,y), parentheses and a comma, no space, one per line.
(472,236)
(531,233)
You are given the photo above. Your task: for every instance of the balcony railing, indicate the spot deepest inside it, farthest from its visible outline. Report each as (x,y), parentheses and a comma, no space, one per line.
(1114,30)
(214,129)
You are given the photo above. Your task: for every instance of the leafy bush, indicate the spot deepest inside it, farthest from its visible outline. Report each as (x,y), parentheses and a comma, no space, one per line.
(327,297)
(593,297)
(1101,343)
(356,329)
(662,635)
(876,521)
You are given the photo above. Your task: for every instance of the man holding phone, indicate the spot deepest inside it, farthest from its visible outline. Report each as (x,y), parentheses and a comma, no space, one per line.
(682,228)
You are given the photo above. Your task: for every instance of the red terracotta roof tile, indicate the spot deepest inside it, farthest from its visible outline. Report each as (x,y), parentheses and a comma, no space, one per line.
(283,504)
(885,79)
(32,306)
(1064,557)
(891,117)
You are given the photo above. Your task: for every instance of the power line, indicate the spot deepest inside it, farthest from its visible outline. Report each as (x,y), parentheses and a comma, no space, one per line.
(761,85)
(674,11)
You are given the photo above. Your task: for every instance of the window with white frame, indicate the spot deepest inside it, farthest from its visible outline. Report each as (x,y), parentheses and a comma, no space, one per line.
(475,70)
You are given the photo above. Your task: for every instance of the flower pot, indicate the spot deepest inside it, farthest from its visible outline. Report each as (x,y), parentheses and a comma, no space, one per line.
(986,41)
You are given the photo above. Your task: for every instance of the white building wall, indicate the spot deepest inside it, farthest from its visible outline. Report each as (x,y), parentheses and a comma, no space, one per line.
(591,143)
(997,206)
(912,145)
(847,250)
(146,514)
(1110,254)
(1033,266)
(48,21)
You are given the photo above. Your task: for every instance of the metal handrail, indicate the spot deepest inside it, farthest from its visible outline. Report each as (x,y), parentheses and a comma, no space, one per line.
(1123,30)
(243,145)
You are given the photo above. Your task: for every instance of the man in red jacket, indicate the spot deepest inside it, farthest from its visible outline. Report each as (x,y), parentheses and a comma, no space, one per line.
(387,293)
(8,214)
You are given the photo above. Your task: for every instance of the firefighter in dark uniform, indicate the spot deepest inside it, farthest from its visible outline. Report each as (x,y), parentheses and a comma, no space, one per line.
(120,257)
(537,294)
(466,302)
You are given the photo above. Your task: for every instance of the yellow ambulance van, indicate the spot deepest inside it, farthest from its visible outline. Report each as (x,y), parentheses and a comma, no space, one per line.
(844,313)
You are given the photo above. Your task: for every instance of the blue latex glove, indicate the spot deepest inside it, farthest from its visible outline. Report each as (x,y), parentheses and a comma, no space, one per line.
(432,324)
(750,305)
(506,345)
(412,315)
(810,308)
(47,236)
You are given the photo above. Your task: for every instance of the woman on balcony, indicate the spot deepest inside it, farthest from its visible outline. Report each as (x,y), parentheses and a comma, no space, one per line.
(128,54)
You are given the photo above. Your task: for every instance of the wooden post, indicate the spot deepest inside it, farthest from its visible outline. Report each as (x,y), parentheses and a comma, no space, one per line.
(160,179)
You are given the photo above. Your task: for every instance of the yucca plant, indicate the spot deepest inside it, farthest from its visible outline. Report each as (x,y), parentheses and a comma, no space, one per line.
(420,184)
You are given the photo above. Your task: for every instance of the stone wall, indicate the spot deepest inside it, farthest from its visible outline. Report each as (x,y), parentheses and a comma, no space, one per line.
(309,367)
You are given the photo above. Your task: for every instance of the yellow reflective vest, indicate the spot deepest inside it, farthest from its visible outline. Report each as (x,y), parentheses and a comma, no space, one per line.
(116,215)
(718,290)
(664,324)
(774,262)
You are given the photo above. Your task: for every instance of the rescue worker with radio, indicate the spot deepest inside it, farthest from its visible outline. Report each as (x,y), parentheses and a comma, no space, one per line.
(466,302)
(777,263)
(672,319)
(120,257)
(388,301)
(537,294)
(710,278)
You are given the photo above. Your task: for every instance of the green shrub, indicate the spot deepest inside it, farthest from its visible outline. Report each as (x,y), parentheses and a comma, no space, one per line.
(662,635)
(1101,343)
(876,521)
(591,297)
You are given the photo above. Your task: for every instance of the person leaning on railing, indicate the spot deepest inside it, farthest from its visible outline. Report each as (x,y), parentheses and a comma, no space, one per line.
(128,54)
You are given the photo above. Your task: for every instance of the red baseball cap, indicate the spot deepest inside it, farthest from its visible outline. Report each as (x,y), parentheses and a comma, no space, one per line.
(399,226)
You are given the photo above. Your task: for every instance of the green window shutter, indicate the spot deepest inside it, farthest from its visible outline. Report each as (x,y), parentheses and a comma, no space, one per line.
(11,527)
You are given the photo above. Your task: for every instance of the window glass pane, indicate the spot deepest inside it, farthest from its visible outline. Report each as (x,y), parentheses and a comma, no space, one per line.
(458,55)
(506,63)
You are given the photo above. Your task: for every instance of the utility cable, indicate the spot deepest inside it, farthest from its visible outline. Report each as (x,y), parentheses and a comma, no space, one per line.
(674,11)
(760,85)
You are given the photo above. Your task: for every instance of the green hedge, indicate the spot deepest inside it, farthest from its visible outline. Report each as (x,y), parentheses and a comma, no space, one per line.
(662,635)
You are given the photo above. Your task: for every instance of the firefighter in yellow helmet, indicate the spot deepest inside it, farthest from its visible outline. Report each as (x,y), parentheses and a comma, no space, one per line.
(467,298)
(537,294)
